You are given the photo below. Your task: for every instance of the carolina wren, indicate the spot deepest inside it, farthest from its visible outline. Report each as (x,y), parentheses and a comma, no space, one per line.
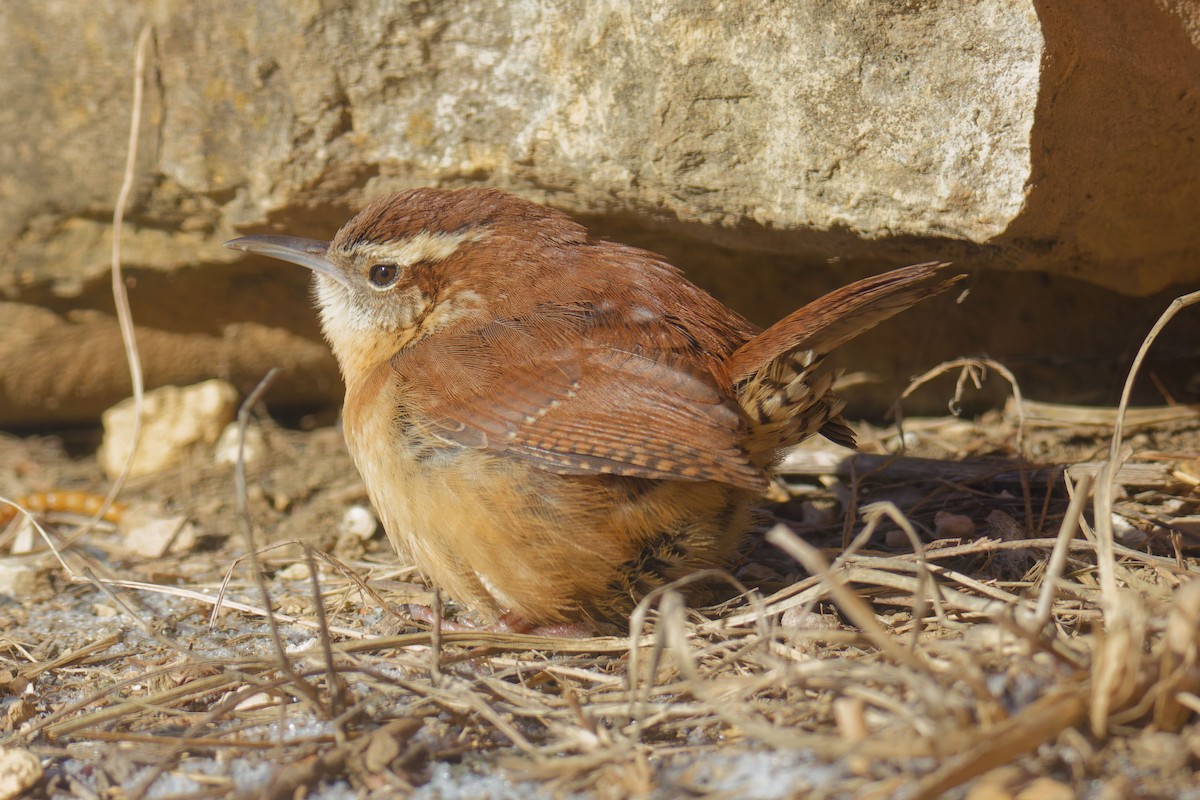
(550,425)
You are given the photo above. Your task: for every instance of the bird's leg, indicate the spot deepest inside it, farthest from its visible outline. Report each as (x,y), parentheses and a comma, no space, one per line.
(514,623)
(421,613)
(508,623)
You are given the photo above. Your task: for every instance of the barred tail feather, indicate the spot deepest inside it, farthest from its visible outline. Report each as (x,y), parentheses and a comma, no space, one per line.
(841,315)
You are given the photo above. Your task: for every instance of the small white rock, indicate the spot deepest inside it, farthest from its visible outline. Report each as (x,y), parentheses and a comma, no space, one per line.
(800,619)
(25,538)
(256,701)
(155,537)
(359,522)
(19,771)
(302,647)
(295,572)
(173,419)
(1174,506)
(17,579)
(226,451)
(1126,532)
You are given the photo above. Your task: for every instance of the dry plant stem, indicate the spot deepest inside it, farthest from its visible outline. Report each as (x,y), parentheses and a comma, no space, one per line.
(493,640)
(809,591)
(243,508)
(927,593)
(130,612)
(1058,414)
(806,592)
(223,707)
(637,622)
(245,608)
(973,368)
(1104,487)
(912,468)
(1048,496)
(851,507)
(435,636)
(1179,661)
(45,536)
(1115,670)
(481,707)
(120,293)
(717,702)
(1038,723)
(336,700)
(219,602)
(56,726)
(206,742)
(124,314)
(87,651)
(1058,557)
(364,587)
(851,604)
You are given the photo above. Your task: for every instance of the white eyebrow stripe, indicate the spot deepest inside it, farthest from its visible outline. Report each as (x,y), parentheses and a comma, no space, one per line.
(423,246)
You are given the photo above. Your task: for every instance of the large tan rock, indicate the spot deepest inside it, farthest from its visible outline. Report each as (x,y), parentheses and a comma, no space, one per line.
(1001,134)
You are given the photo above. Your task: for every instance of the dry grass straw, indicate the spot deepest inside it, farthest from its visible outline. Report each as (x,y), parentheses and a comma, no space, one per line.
(875,689)
(902,667)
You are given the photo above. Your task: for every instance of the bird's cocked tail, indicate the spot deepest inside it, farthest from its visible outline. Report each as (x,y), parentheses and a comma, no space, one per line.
(779,384)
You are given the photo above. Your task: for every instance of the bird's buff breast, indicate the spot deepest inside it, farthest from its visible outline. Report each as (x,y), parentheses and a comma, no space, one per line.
(501,536)
(494,533)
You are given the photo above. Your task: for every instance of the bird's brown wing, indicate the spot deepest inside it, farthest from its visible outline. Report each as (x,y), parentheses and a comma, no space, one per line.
(573,405)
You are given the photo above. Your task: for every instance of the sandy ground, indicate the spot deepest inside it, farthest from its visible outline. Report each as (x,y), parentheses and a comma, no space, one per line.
(117,677)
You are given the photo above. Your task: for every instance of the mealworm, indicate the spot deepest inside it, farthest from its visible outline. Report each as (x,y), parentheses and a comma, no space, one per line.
(72,502)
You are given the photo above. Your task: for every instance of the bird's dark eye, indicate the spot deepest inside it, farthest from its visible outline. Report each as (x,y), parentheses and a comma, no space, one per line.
(382,275)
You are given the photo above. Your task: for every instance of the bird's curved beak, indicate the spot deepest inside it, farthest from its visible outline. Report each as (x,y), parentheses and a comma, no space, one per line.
(309,253)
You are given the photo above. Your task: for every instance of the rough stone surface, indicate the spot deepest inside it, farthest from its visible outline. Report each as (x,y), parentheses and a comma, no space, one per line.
(173,419)
(795,146)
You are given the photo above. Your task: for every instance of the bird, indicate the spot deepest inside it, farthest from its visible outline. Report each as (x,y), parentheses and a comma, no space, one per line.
(552,425)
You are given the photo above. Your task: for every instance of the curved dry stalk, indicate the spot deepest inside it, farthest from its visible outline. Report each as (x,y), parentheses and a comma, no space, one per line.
(1107,477)
(285,663)
(975,370)
(1179,661)
(220,601)
(24,512)
(927,591)
(671,617)
(1118,655)
(1058,556)
(637,623)
(853,606)
(119,291)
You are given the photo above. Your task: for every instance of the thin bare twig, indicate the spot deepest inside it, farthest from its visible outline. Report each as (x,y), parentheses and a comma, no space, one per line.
(1058,556)
(119,291)
(243,507)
